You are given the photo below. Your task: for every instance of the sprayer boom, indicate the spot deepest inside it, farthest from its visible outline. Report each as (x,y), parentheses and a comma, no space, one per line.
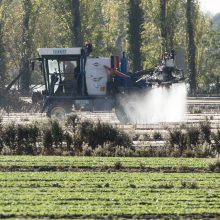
(164,74)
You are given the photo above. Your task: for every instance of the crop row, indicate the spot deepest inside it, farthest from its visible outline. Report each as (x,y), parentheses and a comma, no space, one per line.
(103,161)
(101,194)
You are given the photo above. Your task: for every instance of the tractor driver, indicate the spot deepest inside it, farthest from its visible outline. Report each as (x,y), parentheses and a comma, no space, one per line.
(70,79)
(168,65)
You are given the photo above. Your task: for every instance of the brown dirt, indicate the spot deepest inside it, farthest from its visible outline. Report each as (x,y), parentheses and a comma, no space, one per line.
(102,169)
(204,216)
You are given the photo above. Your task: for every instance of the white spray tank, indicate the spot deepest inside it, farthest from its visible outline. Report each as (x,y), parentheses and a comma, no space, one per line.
(96,75)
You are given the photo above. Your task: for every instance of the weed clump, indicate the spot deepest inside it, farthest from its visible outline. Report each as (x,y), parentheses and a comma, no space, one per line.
(77,137)
(20,139)
(177,139)
(107,185)
(166,185)
(205,128)
(118,165)
(194,141)
(9,137)
(215,167)
(96,134)
(57,133)
(189,185)
(132,186)
(157,136)
(47,142)
(216,142)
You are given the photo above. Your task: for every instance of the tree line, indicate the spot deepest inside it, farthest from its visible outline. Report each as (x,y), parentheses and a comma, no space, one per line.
(143,28)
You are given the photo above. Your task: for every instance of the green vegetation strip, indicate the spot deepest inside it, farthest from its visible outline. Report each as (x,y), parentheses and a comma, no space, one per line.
(103,161)
(70,195)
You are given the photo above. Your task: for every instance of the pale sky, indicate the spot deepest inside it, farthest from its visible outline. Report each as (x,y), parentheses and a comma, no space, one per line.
(212,6)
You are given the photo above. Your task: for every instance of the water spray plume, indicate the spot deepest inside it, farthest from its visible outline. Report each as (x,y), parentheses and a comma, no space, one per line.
(157,105)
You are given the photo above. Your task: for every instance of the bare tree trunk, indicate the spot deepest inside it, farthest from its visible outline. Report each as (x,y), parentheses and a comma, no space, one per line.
(191,45)
(77,39)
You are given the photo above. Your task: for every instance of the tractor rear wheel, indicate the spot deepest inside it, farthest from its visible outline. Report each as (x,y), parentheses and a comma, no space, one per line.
(127,113)
(121,115)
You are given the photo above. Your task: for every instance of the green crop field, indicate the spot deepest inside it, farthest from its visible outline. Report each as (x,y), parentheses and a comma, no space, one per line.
(61,193)
(89,194)
(103,161)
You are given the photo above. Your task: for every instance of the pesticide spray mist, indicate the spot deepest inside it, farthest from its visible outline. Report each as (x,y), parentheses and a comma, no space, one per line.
(157,105)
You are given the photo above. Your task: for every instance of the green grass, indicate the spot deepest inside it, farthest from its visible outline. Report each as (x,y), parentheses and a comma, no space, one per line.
(103,161)
(67,194)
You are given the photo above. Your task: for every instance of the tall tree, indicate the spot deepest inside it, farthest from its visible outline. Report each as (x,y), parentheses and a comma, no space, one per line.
(77,39)
(163,24)
(3,9)
(104,23)
(26,48)
(68,21)
(170,18)
(30,14)
(135,28)
(190,15)
(175,21)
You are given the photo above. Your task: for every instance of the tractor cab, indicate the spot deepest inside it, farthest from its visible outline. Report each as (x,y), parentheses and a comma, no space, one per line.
(73,81)
(62,70)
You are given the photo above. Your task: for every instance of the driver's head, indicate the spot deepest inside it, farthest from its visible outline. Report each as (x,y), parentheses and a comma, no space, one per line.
(69,68)
(69,71)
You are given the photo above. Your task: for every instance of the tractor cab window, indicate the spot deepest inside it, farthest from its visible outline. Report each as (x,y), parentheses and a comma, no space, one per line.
(62,67)
(53,66)
(63,77)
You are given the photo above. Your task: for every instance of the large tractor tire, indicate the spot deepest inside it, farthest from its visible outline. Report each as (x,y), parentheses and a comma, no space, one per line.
(121,115)
(126,113)
(58,112)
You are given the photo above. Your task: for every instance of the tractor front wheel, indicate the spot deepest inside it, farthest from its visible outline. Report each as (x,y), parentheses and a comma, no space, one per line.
(57,112)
